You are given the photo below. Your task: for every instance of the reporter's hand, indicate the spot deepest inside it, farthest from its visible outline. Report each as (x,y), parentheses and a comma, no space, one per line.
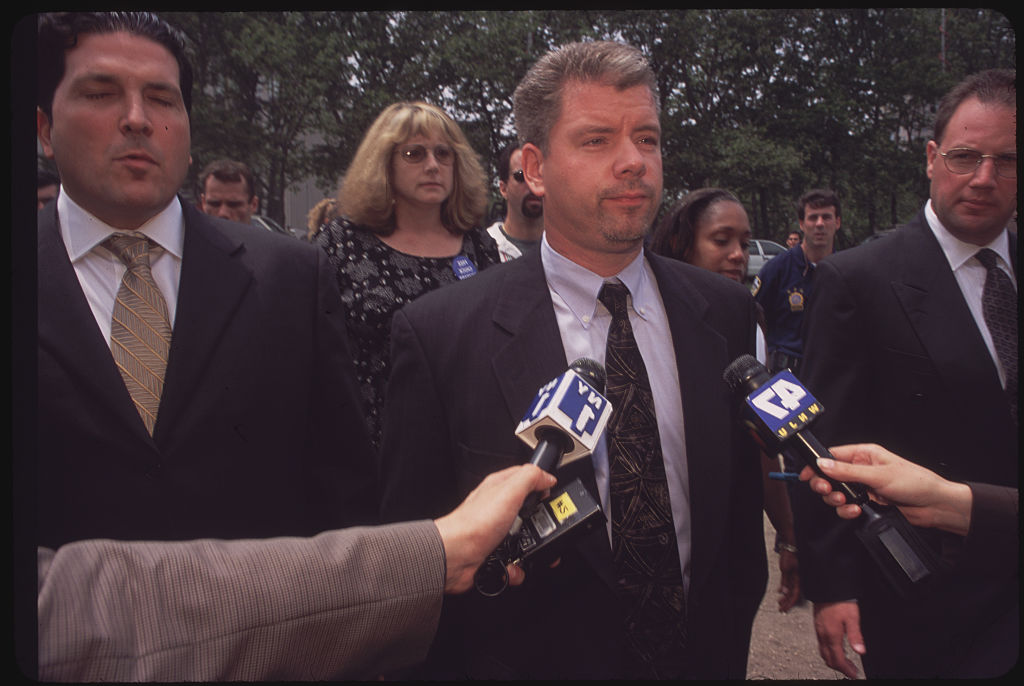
(832,623)
(924,497)
(474,529)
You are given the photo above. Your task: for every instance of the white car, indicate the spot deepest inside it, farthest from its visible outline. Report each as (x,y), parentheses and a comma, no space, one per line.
(761,251)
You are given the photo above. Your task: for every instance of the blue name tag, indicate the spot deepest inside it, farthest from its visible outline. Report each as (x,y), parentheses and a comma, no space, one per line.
(462,267)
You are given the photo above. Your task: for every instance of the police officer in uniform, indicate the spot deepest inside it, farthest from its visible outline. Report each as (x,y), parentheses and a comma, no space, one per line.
(784,284)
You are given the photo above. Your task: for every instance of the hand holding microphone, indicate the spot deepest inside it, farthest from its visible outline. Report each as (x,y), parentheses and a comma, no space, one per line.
(564,421)
(779,411)
(563,424)
(472,530)
(924,497)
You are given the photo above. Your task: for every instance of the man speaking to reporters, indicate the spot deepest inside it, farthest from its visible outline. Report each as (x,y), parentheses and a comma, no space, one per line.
(670,588)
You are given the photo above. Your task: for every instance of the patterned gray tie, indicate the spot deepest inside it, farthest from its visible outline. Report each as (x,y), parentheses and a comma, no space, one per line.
(999,306)
(644,547)
(140,332)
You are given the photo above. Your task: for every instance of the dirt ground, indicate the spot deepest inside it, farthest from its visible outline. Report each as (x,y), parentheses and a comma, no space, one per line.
(783,646)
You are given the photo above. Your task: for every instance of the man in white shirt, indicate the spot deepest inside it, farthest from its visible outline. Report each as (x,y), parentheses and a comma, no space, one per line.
(903,350)
(469,360)
(173,403)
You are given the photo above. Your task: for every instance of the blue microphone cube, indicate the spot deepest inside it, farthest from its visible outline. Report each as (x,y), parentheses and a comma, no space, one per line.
(570,404)
(782,406)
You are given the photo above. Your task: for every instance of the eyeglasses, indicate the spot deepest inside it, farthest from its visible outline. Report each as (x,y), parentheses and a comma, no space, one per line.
(518,175)
(414,154)
(965,161)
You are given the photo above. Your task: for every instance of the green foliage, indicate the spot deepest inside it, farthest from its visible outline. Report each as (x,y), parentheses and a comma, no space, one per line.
(767,103)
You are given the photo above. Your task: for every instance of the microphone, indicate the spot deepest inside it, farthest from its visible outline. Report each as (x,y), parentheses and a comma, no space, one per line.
(562,425)
(567,416)
(564,421)
(779,411)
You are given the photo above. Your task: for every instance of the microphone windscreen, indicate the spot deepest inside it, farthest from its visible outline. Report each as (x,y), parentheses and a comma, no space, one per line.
(593,371)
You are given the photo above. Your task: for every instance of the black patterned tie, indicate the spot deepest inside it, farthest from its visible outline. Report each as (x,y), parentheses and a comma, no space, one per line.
(999,306)
(140,332)
(644,548)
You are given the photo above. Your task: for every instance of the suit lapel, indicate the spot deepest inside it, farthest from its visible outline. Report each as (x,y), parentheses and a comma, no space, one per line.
(533,354)
(701,356)
(68,330)
(936,309)
(214,277)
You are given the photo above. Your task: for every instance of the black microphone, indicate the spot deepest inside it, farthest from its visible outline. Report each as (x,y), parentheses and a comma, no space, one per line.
(778,410)
(564,421)
(563,424)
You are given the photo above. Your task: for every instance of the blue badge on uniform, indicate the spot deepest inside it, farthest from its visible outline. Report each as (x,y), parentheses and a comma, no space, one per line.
(462,267)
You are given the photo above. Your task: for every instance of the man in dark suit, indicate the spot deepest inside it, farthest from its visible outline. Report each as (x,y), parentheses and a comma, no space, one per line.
(903,349)
(468,362)
(234,413)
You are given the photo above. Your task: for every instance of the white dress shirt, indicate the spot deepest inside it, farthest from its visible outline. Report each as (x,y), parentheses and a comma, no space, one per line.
(100,271)
(583,322)
(970,273)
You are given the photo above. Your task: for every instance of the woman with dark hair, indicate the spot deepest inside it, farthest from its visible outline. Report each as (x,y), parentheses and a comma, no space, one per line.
(709,229)
(406,222)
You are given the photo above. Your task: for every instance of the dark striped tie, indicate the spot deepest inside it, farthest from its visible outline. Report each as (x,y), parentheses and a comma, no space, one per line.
(644,547)
(140,333)
(999,307)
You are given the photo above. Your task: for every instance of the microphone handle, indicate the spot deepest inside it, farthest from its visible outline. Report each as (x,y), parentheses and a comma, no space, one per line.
(808,449)
(546,456)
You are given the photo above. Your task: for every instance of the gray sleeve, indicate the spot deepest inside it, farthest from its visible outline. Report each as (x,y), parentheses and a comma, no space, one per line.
(344,604)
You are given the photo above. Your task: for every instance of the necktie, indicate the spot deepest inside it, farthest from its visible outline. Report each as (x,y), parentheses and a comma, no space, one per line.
(140,335)
(999,306)
(644,548)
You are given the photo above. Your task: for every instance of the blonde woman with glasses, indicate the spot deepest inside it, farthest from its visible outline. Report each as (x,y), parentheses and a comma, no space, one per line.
(407,222)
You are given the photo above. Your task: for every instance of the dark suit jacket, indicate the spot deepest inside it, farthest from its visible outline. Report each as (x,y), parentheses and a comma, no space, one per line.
(258,433)
(467,361)
(895,357)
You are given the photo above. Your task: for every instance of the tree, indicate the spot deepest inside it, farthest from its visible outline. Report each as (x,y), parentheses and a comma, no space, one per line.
(259,92)
(767,103)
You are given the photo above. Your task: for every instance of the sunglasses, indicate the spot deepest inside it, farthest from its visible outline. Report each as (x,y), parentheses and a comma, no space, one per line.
(518,175)
(414,154)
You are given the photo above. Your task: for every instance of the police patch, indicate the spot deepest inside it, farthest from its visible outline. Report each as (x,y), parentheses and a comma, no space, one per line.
(796,300)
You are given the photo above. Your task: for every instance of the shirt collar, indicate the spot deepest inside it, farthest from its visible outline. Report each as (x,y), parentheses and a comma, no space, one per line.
(957,251)
(81,231)
(579,287)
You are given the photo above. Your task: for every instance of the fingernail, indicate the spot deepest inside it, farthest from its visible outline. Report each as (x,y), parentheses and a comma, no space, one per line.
(825,462)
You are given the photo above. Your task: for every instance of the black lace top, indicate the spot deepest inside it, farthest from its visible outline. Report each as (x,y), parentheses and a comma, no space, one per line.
(375,280)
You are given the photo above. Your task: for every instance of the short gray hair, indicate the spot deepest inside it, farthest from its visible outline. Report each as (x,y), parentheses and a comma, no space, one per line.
(537,102)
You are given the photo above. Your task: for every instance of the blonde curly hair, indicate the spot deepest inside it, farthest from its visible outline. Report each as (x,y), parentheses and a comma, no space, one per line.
(366,195)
